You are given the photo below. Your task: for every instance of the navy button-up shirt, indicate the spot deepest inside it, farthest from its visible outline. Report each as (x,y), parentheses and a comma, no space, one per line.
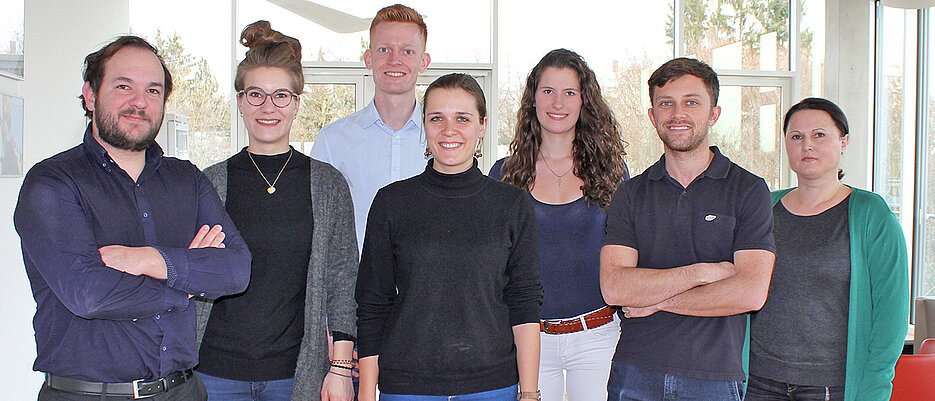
(99,324)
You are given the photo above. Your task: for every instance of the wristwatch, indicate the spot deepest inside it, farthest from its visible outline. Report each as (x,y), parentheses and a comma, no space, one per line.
(529,395)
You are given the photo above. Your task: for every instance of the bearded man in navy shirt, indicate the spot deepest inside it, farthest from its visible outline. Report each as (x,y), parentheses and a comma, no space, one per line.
(116,238)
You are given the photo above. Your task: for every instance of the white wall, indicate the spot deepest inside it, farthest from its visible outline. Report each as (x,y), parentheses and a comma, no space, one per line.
(59,34)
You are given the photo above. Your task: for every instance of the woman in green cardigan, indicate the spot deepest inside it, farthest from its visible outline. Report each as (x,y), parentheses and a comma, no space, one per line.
(838,307)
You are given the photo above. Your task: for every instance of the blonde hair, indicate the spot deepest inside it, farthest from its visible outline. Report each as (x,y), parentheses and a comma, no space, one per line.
(399,13)
(270,48)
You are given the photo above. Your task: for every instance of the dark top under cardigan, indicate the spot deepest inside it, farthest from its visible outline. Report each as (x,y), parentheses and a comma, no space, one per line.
(332,267)
(449,266)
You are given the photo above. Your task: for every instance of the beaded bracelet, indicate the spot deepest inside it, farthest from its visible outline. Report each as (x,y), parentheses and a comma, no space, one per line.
(341,367)
(529,395)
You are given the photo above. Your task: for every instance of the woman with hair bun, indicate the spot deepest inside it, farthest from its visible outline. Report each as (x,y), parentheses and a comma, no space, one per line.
(296,216)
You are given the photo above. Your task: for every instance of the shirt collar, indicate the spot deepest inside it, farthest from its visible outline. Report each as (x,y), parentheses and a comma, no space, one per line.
(369,115)
(718,168)
(101,158)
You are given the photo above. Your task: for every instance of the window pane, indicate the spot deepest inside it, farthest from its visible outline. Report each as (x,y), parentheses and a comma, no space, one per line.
(894,159)
(640,43)
(317,25)
(748,130)
(199,60)
(322,104)
(812,38)
(11,38)
(738,34)
(928,257)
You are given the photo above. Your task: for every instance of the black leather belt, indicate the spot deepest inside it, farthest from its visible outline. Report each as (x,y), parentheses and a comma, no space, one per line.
(136,389)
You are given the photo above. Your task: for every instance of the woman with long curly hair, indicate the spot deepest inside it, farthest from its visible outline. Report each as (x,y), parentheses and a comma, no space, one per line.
(568,153)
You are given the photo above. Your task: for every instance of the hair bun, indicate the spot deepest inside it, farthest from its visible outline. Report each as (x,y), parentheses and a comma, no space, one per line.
(261,34)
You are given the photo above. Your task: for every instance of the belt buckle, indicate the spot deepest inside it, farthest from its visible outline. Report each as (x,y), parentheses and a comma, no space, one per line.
(136,388)
(551,324)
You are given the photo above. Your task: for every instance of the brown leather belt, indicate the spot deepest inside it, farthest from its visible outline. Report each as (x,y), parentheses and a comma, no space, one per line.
(594,319)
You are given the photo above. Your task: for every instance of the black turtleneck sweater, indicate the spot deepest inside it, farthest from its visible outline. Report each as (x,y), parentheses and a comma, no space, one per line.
(461,251)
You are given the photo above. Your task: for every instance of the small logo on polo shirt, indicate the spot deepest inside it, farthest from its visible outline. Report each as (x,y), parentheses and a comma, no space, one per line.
(710,217)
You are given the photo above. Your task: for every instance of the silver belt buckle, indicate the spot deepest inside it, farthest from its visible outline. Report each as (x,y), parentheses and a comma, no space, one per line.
(136,388)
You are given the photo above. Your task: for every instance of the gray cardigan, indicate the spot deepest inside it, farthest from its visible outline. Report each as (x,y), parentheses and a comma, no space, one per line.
(332,274)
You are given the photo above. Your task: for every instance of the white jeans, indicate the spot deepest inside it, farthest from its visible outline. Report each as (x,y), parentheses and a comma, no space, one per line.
(578,363)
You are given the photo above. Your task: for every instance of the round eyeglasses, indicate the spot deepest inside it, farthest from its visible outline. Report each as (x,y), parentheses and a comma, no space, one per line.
(256,97)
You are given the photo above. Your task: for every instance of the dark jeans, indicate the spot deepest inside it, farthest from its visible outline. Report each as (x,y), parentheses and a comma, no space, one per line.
(762,389)
(629,383)
(191,390)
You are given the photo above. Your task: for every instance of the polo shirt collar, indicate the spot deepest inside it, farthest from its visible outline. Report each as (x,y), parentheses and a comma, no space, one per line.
(718,168)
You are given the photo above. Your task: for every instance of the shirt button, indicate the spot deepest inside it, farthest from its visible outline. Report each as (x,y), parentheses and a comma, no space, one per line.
(169,310)
(396,136)
(134,319)
(145,214)
(158,317)
(164,348)
(395,168)
(103,164)
(202,294)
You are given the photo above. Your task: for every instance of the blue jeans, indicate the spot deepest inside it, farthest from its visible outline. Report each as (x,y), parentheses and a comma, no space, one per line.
(762,389)
(503,394)
(629,383)
(220,389)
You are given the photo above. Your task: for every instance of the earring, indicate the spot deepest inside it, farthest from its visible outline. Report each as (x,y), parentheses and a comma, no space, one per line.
(477,150)
(428,152)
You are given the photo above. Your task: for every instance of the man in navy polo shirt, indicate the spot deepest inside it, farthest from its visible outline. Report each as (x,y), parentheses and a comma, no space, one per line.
(688,252)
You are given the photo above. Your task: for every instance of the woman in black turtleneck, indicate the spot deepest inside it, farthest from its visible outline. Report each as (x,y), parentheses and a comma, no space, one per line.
(448,288)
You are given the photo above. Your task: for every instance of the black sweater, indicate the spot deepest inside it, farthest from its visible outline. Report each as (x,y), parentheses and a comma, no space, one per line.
(255,335)
(461,251)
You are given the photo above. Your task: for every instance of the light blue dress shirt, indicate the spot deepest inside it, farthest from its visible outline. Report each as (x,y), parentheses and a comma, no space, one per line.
(371,155)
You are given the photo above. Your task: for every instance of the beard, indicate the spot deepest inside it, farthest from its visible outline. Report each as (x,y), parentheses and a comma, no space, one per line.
(110,131)
(682,143)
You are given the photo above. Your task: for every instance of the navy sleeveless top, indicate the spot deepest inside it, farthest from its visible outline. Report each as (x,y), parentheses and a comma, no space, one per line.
(570,238)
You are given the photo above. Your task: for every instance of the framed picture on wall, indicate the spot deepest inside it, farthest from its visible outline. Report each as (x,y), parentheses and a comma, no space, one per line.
(12,52)
(11,135)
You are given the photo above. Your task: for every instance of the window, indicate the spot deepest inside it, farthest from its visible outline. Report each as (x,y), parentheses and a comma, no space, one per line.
(633,41)
(199,60)
(738,34)
(927,184)
(812,48)
(747,42)
(749,130)
(904,140)
(338,30)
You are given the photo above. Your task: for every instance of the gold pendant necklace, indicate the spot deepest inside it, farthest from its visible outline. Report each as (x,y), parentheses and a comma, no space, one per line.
(272,187)
(559,176)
